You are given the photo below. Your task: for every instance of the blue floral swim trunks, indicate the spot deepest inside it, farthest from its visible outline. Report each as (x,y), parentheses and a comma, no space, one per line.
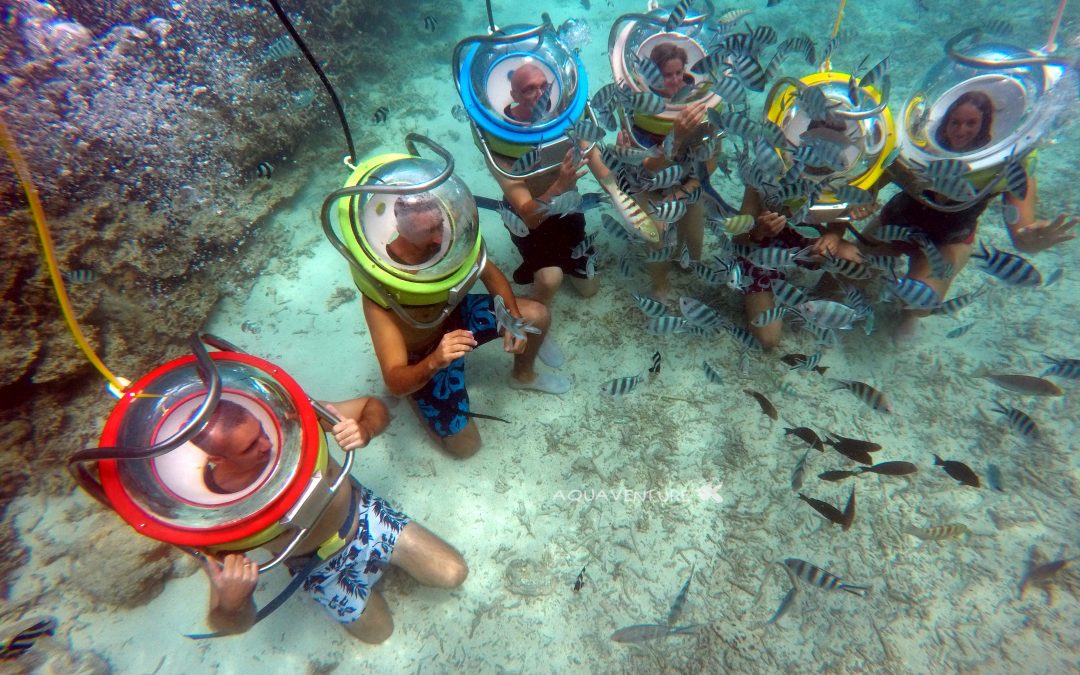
(443,399)
(342,583)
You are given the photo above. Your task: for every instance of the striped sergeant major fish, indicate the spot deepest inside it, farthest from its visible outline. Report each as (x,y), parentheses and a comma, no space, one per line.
(937,532)
(621,386)
(698,313)
(516,326)
(669,211)
(660,254)
(561,205)
(646,103)
(815,576)
(666,325)
(19,638)
(939,267)
(823,337)
(1009,267)
(828,314)
(651,308)
(1062,367)
(527,162)
(865,393)
(895,233)
(1018,420)
(769,316)
(282,47)
(776,258)
(589,268)
(582,249)
(954,305)
(735,124)
(744,337)
(788,294)
(941,168)
(667,177)
(613,227)
(677,15)
(914,293)
(586,130)
(847,268)
(512,221)
(712,373)
(707,274)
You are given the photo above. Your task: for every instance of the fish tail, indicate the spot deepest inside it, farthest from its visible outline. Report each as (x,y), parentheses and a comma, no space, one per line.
(860,591)
(937,461)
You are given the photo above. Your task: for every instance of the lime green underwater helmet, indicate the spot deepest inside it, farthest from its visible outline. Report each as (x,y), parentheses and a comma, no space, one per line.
(410,231)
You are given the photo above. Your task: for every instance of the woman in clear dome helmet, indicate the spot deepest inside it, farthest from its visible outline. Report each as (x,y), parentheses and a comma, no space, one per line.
(965,127)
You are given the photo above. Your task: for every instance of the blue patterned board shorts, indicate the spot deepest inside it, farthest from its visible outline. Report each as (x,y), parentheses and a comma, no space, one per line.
(342,583)
(442,400)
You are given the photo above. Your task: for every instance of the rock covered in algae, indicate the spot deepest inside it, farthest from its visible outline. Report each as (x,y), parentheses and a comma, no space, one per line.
(529,577)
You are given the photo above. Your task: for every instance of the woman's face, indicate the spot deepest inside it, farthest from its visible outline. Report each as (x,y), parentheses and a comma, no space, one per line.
(673,71)
(962,127)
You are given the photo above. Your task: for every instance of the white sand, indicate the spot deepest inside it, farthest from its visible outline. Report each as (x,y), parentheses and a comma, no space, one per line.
(938,606)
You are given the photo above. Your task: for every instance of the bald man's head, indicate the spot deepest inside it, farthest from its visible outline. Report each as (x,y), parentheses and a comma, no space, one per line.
(527,84)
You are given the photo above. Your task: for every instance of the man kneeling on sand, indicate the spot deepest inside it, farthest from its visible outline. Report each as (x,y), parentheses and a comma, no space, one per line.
(374,533)
(428,364)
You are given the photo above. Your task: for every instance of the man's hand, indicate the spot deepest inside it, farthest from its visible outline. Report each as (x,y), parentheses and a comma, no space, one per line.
(347,432)
(689,120)
(452,346)
(569,173)
(863,211)
(1042,234)
(768,224)
(233,580)
(512,344)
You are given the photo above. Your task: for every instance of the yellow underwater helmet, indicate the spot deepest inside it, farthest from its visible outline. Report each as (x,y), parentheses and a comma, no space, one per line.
(410,231)
(868,134)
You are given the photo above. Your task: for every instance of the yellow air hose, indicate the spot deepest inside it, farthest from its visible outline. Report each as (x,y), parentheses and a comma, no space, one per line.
(827,66)
(23,172)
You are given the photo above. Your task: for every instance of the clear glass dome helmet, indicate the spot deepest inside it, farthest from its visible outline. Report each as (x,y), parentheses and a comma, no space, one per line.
(410,232)
(1023,86)
(865,136)
(635,36)
(417,236)
(486,66)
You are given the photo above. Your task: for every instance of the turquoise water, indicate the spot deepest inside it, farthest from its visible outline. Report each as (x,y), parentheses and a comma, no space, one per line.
(679,475)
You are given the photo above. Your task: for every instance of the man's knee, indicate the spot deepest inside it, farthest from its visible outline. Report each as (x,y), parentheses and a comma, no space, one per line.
(463,444)
(375,624)
(452,571)
(534,311)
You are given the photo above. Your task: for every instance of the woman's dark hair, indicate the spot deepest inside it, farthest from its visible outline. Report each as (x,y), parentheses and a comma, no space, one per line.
(981,102)
(665,51)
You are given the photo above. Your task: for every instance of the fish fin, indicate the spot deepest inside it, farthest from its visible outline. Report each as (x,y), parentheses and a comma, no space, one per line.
(860,591)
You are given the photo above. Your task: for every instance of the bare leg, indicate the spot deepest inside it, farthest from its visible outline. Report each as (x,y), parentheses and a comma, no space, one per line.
(754,304)
(919,268)
(546,282)
(539,316)
(659,287)
(463,444)
(428,559)
(586,287)
(375,623)
(691,231)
